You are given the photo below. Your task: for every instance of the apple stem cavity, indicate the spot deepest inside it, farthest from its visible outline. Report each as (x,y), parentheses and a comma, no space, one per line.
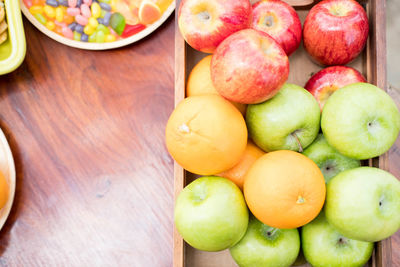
(342,241)
(269,232)
(269,21)
(298,141)
(204,15)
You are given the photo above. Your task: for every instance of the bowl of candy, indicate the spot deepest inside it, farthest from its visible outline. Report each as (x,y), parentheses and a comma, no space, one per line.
(97,24)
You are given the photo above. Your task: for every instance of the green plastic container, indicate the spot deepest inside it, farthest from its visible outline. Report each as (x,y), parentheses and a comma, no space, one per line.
(12,51)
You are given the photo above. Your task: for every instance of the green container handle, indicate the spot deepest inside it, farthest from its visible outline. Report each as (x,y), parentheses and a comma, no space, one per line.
(12,51)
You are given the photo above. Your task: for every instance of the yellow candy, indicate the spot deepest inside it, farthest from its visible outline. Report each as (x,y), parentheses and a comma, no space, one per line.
(59,14)
(93,22)
(110,38)
(36,9)
(49,11)
(88,30)
(50,25)
(96,10)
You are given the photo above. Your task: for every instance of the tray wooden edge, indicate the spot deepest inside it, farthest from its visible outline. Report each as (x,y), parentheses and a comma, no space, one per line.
(376,56)
(10,175)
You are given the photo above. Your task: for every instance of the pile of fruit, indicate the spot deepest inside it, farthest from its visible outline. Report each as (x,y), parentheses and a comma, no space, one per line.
(3,23)
(288,174)
(96,20)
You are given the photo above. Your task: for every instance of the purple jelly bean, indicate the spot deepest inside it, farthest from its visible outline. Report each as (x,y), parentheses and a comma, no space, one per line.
(79,28)
(105,6)
(79,3)
(100,21)
(84,37)
(106,19)
(63,2)
(72,26)
(53,3)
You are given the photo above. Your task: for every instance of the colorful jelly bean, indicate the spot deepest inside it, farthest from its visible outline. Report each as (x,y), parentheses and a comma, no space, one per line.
(110,38)
(87,2)
(79,28)
(96,10)
(100,37)
(50,25)
(63,2)
(105,6)
(72,26)
(93,22)
(67,32)
(72,3)
(59,14)
(106,19)
(77,36)
(52,3)
(117,22)
(49,11)
(73,11)
(81,20)
(89,30)
(41,18)
(85,11)
(84,37)
(36,9)
(92,38)
(103,28)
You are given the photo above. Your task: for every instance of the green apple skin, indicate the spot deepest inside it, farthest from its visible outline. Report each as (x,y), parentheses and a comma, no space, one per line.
(273,123)
(263,245)
(361,121)
(364,204)
(324,246)
(328,159)
(211,214)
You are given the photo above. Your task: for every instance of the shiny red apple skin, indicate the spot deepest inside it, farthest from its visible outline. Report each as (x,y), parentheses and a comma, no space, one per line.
(279,20)
(224,18)
(325,82)
(332,39)
(249,67)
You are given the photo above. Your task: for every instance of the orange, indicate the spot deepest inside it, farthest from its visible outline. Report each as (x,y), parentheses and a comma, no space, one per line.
(206,134)
(238,172)
(3,190)
(199,82)
(149,12)
(284,189)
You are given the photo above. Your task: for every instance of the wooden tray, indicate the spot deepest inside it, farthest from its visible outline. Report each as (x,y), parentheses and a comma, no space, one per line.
(371,63)
(98,46)
(7,167)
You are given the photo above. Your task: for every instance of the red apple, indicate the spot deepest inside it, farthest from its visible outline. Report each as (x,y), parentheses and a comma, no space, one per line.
(249,67)
(204,24)
(335,31)
(279,20)
(325,82)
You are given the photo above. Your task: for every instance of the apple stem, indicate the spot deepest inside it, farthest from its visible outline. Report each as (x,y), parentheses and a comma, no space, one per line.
(298,141)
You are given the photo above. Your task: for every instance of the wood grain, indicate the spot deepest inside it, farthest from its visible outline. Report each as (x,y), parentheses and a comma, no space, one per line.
(94,179)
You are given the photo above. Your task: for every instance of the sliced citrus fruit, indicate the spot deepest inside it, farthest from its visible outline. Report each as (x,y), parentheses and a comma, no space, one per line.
(149,12)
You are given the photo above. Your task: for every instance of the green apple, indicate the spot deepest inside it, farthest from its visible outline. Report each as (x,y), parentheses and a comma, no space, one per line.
(263,245)
(364,204)
(211,214)
(289,120)
(328,159)
(361,121)
(324,246)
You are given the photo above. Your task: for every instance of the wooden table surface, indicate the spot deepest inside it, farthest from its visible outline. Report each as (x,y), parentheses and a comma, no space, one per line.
(94,180)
